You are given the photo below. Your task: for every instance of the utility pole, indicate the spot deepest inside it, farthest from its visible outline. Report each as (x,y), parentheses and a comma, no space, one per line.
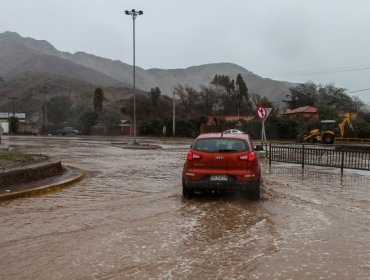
(13,98)
(12,121)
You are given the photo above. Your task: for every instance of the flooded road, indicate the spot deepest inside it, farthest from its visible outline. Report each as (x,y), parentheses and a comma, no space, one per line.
(127,220)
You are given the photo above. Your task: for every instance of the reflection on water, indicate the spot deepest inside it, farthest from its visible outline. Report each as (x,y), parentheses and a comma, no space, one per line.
(324,223)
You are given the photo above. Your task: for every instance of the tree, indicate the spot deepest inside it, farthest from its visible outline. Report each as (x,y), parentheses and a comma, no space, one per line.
(358,103)
(257,100)
(208,100)
(189,101)
(143,111)
(87,119)
(302,95)
(154,99)
(326,112)
(154,94)
(109,120)
(98,100)
(313,95)
(362,125)
(234,94)
(59,109)
(13,124)
(148,106)
(224,81)
(225,88)
(242,97)
(336,97)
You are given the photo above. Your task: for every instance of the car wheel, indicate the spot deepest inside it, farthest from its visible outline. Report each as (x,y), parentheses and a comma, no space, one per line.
(186,191)
(328,139)
(254,193)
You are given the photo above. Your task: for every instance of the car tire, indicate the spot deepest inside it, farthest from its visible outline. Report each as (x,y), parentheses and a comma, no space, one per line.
(254,193)
(328,139)
(186,191)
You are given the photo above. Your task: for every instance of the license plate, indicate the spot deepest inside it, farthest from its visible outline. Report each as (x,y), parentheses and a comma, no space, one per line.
(218,178)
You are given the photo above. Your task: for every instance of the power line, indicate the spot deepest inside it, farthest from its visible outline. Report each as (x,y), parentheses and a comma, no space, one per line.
(323,71)
(365,89)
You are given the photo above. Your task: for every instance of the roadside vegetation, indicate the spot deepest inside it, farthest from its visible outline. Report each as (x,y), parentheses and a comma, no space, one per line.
(223,96)
(17,159)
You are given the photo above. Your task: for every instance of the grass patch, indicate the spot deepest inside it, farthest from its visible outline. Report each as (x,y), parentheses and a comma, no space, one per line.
(14,159)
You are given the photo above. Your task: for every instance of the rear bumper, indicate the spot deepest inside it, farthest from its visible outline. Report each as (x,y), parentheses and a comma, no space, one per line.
(227,186)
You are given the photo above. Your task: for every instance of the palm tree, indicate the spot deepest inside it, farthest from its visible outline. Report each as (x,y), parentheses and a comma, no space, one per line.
(98,100)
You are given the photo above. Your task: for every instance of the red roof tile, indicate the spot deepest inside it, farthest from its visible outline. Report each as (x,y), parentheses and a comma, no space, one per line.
(304,109)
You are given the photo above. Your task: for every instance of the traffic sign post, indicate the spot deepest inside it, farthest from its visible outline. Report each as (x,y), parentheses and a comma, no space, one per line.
(262,114)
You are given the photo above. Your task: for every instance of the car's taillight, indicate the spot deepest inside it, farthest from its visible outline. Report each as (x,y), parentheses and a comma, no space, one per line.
(193,156)
(249,157)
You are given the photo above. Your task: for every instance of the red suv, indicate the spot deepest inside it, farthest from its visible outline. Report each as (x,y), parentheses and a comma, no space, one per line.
(222,163)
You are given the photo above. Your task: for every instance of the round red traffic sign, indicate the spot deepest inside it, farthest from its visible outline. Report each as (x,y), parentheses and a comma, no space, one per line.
(261,112)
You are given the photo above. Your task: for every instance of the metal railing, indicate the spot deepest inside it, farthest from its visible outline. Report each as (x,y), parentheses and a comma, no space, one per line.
(341,156)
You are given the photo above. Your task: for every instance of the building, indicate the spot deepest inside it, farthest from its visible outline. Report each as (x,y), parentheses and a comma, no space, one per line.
(4,119)
(305,113)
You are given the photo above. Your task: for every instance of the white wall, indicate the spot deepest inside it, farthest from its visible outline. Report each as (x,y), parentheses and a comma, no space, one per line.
(5,126)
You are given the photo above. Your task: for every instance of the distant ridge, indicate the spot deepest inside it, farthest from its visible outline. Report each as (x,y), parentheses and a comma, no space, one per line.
(21,57)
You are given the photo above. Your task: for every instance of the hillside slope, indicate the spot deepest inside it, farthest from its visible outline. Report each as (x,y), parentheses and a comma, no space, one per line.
(25,63)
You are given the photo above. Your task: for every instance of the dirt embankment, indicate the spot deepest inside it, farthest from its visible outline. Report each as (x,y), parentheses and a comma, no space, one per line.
(10,160)
(23,168)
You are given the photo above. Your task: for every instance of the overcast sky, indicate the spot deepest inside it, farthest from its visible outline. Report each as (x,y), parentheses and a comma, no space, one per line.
(324,41)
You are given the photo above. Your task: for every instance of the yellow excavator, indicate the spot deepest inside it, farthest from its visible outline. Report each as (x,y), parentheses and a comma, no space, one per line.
(328,131)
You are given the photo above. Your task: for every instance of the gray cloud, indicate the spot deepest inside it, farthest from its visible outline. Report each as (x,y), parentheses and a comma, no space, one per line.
(268,37)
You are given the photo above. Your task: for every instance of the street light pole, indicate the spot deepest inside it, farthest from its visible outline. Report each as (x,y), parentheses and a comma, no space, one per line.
(133,13)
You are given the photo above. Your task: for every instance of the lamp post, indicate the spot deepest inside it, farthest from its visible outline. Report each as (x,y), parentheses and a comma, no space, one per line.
(133,13)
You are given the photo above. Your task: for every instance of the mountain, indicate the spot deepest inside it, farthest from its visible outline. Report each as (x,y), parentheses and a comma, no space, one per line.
(19,55)
(25,63)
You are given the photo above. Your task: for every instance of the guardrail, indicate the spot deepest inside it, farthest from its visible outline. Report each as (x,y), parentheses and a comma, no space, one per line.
(341,156)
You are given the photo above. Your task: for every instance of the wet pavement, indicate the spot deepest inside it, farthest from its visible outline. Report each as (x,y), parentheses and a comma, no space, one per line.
(127,220)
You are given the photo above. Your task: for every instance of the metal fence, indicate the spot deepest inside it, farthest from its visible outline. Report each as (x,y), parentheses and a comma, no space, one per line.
(341,156)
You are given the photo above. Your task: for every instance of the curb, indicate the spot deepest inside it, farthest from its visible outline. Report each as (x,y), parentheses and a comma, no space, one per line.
(136,147)
(48,187)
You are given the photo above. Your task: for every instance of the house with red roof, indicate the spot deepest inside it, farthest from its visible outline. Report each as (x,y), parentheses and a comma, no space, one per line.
(305,113)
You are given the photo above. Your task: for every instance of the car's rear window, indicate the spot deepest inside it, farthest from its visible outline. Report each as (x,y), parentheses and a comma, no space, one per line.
(220,145)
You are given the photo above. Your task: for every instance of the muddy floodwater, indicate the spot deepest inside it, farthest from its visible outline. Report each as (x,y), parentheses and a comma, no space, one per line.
(127,220)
